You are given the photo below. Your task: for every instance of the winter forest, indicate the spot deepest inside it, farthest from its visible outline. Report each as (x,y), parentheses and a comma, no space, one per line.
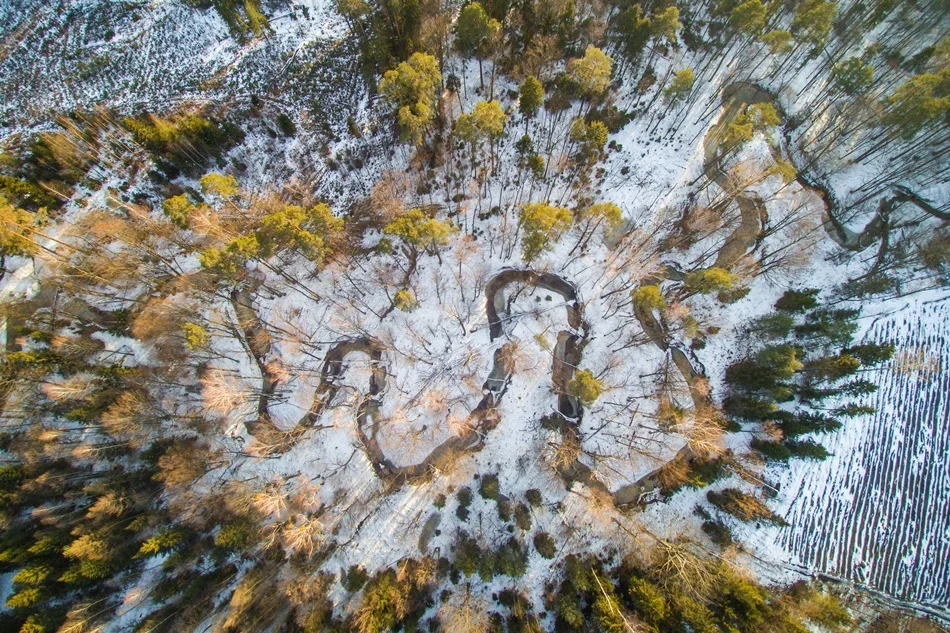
(494,316)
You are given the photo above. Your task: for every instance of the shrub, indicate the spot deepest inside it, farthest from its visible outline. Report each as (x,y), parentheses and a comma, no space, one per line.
(523,517)
(743,506)
(488,488)
(718,532)
(648,297)
(797,301)
(545,545)
(405,300)
(533,496)
(585,387)
(464,497)
(709,280)
(511,559)
(354,578)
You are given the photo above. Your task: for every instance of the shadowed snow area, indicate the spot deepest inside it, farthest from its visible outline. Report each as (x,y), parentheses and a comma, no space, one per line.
(60,55)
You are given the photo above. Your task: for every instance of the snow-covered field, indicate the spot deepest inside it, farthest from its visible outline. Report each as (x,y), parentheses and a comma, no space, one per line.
(878,510)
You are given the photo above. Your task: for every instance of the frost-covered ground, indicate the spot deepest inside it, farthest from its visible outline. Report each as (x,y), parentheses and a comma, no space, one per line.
(875,512)
(878,510)
(149,56)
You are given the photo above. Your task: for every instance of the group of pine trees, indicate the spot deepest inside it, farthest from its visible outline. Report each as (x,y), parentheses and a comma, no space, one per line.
(800,379)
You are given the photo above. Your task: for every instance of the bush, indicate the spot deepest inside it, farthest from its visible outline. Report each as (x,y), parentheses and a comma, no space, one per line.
(775,451)
(648,601)
(585,387)
(286,125)
(488,488)
(523,517)
(511,559)
(545,545)
(797,301)
(743,506)
(718,532)
(533,496)
(354,578)
(464,498)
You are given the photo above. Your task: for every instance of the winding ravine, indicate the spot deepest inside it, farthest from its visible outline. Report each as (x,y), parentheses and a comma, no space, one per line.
(570,342)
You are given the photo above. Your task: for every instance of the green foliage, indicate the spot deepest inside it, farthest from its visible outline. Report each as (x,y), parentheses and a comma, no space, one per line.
(681,85)
(542,224)
(606,213)
(665,23)
(709,280)
(230,260)
(775,451)
(533,496)
(178,209)
(225,187)
(718,532)
(183,138)
(853,76)
(779,41)
(743,506)
(16,230)
(25,598)
(420,232)
(777,325)
(530,97)
(648,601)
(523,517)
(591,73)
(749,18)
(590,139)
(166,540)
(648,297)
(382,605)
(486,121)
(813,21)
(488,488)
(464,497)
(511,559)
(475,30)
(920,101)
(585,387)
(870,354)
(634,30)
(286,125)
(405,300)
(411,89)
(310,231)
(354,578)
(243,17)
(26,195)
(545,545)
(196,335)
(798,301)
(235,536)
